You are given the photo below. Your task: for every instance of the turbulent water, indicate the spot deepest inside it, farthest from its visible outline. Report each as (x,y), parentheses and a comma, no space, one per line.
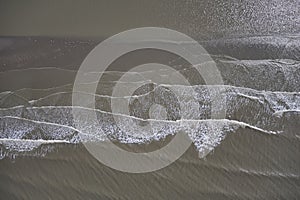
(260,99)
(260,92)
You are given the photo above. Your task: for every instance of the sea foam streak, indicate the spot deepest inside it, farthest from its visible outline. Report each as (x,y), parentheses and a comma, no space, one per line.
(50,119)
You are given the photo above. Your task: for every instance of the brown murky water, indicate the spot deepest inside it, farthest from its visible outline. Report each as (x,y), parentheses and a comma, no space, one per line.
(253,153)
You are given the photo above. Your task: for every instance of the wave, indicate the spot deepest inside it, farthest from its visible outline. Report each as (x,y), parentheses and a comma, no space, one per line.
(257,47)
(268,74)
(260,106)
(24,52)
(52,123)
(23,135)
(261,77)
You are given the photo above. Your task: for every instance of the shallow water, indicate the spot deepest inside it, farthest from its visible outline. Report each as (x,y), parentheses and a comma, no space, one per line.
(250,153)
